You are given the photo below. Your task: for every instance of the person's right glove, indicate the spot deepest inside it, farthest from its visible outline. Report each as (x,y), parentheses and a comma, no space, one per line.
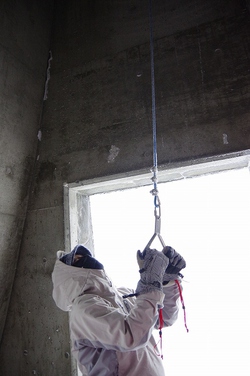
(152,266)
(176,264)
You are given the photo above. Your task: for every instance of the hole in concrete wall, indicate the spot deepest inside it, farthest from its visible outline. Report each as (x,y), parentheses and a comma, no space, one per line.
(206,218)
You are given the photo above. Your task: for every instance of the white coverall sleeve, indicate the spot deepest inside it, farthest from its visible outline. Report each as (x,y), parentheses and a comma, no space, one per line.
(96,323)
(171,303)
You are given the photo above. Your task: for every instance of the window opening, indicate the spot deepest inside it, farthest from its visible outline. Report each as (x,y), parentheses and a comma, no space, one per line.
(206,219)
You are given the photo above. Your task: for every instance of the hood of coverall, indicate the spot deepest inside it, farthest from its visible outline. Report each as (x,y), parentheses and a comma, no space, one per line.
(85,258)
(70,282)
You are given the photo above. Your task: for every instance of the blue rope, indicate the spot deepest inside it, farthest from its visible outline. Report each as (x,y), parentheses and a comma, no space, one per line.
(153,101)
(157,210)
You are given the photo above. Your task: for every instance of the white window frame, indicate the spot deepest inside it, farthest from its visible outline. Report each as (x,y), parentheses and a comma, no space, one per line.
(77,214)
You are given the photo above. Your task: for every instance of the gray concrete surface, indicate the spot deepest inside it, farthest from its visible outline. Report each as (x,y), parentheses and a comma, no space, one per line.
(97,122)
(24,45)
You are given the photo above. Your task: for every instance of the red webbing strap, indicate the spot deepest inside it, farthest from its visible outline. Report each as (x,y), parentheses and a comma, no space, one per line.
(161,323)
(182,302)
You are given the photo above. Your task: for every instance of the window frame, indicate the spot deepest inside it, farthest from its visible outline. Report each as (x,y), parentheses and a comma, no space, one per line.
(77,212)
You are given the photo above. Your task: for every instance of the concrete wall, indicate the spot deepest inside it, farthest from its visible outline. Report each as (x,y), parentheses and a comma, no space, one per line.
(25,29)
(97,122)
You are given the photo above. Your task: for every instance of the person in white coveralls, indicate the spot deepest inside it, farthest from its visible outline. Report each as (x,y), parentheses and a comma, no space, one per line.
(111,328)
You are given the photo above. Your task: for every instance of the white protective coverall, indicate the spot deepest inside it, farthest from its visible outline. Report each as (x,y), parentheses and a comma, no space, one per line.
(112,336)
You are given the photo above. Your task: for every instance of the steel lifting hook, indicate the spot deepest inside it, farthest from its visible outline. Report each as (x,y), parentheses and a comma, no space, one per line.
(157,214)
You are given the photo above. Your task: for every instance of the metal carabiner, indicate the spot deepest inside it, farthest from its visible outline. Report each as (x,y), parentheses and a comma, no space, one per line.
(157,214)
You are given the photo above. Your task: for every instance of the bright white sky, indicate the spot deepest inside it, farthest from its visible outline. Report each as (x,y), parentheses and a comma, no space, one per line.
(207,220)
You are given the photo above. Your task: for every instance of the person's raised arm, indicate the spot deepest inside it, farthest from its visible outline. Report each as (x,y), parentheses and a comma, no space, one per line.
(99,324)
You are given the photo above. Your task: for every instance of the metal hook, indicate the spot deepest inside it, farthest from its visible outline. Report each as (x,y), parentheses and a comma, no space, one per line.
(157,214)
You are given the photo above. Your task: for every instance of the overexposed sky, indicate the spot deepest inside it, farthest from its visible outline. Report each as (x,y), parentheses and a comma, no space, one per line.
(207,220)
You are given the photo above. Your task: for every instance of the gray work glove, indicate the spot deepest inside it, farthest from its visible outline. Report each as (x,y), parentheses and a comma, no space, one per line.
(176,264)
(152,266)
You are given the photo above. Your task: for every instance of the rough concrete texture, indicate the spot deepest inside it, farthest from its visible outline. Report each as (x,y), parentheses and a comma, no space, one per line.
(97,122)
(24,46)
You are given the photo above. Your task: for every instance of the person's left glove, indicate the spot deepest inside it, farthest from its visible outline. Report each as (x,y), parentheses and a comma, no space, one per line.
(152,264)
(176,264)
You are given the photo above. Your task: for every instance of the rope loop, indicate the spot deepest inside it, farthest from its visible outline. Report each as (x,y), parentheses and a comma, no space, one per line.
(154,177)
(154,192)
